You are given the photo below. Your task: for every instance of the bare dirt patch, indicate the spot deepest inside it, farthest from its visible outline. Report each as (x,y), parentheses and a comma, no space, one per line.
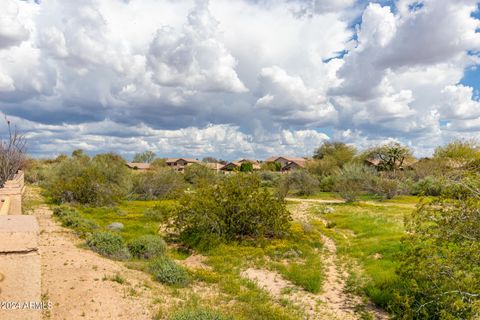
(80,284)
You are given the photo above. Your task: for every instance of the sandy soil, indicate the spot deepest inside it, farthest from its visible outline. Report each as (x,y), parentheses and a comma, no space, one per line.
(78,281)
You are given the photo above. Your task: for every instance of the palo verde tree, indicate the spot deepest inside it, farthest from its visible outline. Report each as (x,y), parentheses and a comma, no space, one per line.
(391,155)
(144,157)
(338,153)
(12,154)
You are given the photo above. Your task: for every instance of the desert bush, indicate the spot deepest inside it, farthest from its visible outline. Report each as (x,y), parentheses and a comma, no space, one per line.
(36,171)
(71,218)
(323,167)
(439,273)
(269,178)
(327,183)
(428,186)
(108,244)
(385,187)
(167,271)
(236,207)
(197,174)
(162,183)
(353,179)
(300,182)
(147,246)
(199,314)
(102,180)
(162,211)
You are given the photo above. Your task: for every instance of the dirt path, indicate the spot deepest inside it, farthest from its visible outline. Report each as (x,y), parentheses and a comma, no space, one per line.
(79,282)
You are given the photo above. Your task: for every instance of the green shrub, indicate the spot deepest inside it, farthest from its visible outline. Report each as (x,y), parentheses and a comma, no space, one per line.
(162,183)
(147,246)
(108,244)
(197,174)
(439,271)
(234,208)
(102,180)
(71,218)
(353,179)
(162,211)
(199,314)
(167,271)
(300,182)
(429,186)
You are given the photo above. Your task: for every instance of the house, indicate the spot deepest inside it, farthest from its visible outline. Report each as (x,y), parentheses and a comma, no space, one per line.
(140,166)
(235,165)
(179,164)
(215,166)
(288,163)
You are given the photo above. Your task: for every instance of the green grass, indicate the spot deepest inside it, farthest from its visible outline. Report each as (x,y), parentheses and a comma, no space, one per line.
(130,213)
(371,235)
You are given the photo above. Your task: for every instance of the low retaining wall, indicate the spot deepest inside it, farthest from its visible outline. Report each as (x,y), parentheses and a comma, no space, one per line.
(11,194)
(20,274)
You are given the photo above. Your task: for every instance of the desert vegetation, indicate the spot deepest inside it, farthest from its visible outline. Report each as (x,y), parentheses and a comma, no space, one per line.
(405,229)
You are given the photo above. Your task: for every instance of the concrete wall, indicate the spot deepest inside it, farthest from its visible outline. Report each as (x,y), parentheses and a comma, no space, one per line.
(20,278)
(12,192)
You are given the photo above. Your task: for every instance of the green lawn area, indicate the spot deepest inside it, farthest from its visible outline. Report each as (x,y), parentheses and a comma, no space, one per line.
(370,234)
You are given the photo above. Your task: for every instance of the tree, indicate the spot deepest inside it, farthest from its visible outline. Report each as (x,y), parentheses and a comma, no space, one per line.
(337,152)
(210,160)
(78,153)
(246,167)
(12,154)
(144,157)
(391,155)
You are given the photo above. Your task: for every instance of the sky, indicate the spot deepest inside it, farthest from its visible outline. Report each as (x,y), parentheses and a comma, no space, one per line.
(238,78)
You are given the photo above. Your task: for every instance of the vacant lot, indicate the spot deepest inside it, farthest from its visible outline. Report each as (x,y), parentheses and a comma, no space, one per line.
(334,262)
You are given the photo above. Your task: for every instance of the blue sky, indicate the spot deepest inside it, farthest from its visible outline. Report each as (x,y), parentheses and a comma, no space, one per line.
(239,78)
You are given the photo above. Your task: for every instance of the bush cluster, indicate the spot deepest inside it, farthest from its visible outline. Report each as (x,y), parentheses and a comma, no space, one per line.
(71,218)
(167,271)
(101,180)
(236,207)
(161,183)
(199,314)
(108,244)
(147,246)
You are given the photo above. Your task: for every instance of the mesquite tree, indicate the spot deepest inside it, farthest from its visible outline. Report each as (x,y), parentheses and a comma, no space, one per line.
(12,154)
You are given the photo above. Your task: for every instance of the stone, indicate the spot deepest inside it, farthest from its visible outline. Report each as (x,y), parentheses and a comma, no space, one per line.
(115,226)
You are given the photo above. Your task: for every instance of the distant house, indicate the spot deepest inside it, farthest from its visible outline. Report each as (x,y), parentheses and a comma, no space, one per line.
(235,165)
(288,163)
(140,166)
(216,166)
(179,164)
(374,163)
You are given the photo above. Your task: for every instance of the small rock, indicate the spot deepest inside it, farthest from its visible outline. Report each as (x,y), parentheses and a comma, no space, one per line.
(328,210)
(115,226)
(377,256)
